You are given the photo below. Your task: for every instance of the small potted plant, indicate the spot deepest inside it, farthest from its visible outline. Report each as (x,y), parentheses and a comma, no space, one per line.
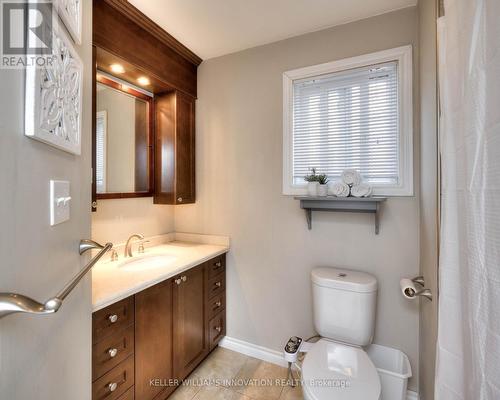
(312,183)
(323,185)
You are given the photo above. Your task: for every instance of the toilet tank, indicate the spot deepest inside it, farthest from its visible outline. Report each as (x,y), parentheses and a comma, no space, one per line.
(344,303)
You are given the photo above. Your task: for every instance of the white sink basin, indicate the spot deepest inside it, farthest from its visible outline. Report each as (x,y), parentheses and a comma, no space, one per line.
(145,262)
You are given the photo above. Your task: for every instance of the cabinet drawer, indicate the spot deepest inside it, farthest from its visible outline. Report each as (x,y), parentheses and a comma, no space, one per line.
(128,395)
(217,329)
(216,305)
(116,382)
(216,266)
(216,286)
(111,351)
(112,319)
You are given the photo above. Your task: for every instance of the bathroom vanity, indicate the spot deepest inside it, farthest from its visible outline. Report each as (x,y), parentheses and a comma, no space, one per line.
(152,323)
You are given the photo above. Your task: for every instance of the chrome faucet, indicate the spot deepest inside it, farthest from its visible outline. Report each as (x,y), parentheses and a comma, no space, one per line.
(128,246)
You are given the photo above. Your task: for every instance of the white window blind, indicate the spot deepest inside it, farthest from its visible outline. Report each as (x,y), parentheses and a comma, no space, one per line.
(348,119)
(101,139)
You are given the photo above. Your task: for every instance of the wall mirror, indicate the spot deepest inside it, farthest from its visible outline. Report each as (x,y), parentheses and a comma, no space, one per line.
(123,140)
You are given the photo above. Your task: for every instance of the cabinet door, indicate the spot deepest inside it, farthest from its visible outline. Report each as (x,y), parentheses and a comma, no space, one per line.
(153,340)
(174,149)
(164,165)
(190,339)
(185,150)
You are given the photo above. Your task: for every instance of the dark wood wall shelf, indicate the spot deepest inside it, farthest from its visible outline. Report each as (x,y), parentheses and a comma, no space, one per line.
(341,204)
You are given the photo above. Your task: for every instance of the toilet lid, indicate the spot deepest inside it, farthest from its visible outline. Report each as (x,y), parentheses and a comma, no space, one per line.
(334,371)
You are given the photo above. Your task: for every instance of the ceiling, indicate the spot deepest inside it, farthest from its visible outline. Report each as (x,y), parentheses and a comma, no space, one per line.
(212,28)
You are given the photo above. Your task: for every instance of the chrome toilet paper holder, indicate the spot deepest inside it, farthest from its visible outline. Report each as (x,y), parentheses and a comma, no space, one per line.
(424,292)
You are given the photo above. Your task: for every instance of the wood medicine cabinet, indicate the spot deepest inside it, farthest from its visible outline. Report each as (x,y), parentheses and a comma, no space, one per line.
(123,35)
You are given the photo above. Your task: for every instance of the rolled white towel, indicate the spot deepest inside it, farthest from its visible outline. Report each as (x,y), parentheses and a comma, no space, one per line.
(351,177)
(340,189)
(361,190)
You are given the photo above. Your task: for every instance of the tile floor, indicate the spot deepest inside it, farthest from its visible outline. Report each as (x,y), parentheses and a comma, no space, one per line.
(227,375)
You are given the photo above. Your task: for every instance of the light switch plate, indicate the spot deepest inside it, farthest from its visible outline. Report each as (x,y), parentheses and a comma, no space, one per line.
(60,201)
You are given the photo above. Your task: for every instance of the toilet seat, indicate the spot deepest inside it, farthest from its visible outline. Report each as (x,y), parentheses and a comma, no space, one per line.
(335,371)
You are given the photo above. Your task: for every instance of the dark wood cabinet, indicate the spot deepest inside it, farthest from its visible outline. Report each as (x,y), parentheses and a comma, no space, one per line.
(216,329)
(168,168)
(124,35)
(111,320)
(153,334)
(124,31)
(116,382)
(174,149)
(215,300)
(190,339)
(185,150)
(111,351)
(142,344)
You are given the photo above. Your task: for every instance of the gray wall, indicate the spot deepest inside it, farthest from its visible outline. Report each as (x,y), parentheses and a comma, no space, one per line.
(429,196)
(43,358)
(239,175)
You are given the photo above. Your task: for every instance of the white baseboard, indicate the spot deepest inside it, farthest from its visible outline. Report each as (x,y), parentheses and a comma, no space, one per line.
(272,356)
(411,395)
(253,350)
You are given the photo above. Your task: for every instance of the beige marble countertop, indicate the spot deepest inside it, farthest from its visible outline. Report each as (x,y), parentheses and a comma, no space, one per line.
(113,281)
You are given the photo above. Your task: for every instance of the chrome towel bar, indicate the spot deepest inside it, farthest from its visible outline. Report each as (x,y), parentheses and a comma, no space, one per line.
(11,303)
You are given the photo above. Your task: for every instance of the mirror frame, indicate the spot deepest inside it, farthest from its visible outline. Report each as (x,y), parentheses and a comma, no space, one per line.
(128,90)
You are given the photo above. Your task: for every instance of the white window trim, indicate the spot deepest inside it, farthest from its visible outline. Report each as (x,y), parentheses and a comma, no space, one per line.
(104,115)
(403,55)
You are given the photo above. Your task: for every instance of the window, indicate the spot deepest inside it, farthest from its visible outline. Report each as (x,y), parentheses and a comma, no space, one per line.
(101,141)
(354,113)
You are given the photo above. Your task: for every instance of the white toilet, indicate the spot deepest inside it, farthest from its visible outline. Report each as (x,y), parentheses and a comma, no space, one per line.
(336,367)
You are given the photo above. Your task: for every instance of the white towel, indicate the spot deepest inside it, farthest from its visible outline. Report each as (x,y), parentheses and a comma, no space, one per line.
(351,177)
(340,189)
(361,190)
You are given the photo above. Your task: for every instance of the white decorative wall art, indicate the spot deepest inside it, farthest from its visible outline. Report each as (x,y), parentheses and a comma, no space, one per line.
(70,12)
(53,103)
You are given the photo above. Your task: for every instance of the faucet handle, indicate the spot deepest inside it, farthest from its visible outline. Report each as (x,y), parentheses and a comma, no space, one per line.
(141,246)
(114,255)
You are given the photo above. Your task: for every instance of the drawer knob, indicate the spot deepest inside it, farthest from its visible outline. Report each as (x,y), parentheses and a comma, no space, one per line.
(179,199)
(218,329)
(218,304)
(112,386)
(178,281)
(113,318)
(218,264)
(112,352)
(218,284)
(184,278)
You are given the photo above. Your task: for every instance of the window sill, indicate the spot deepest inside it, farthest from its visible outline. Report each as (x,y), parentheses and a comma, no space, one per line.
(377,191)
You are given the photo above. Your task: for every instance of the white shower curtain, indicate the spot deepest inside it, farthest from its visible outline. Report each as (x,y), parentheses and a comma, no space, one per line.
(468,350)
